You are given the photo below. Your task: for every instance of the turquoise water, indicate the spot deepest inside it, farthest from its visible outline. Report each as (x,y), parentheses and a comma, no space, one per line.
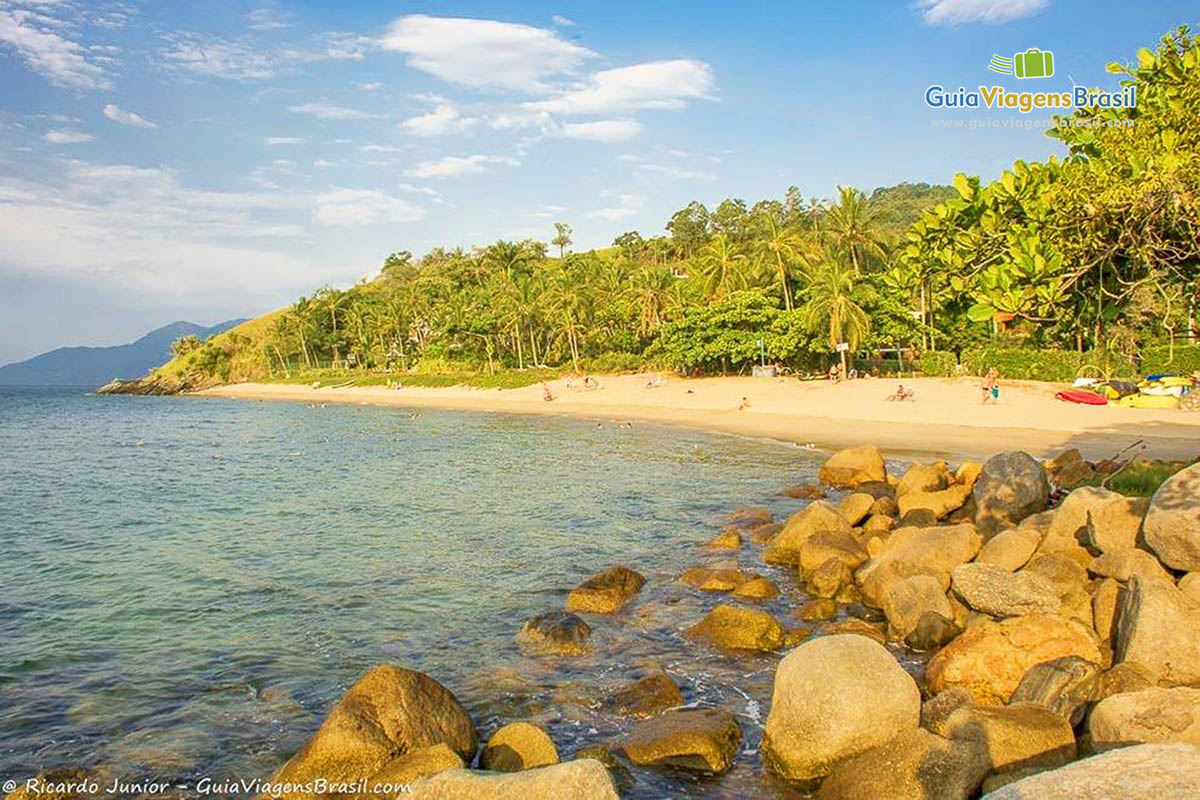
(190,584)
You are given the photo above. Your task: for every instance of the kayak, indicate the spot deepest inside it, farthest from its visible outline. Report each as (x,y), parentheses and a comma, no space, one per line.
(1084,398)
(1180,381)
(1149,401)
(1162,391)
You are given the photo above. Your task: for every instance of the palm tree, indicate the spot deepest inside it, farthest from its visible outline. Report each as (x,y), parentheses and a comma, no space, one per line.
(649,292)
(777,250)
(850,226)
(831,308)
(722,267)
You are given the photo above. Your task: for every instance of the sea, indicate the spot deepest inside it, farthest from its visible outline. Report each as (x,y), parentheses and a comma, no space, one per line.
(187,585)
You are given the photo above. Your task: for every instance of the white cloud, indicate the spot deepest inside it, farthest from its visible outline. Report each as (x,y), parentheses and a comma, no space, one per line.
(483,53)
(656,84)
(425,190)
(342,206)
(454,166)
(380,148)
(333,46)
(212,56)
(676,172)
(627,206)
(605,130)
(67,137)
(443,120)
(127,117)
(953,12)
(325,110)
(370,86)
(266,19)
(57,59)
(562,22)
(274,140)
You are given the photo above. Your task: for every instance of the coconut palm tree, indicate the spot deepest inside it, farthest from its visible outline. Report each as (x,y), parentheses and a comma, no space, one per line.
(850,226)
(778,250)
(830,308)
(722,267)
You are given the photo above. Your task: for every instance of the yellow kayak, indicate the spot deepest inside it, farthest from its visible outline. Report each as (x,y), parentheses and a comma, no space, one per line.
(1175,381)
(1149,401)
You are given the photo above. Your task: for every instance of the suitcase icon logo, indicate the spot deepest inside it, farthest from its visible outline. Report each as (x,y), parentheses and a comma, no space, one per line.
(1033,63)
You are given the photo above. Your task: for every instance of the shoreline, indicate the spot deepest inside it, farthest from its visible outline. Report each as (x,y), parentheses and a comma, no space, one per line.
(814,414)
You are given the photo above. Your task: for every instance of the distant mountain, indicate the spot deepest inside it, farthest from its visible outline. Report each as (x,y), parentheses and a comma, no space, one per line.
(93,366)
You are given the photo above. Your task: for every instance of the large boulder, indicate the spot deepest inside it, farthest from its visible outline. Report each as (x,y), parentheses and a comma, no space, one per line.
(1122,565)
(1151,715)
(605,592)
(388,713)
(1160,771)
(824,545)
(990,658)
(854,466)
(737,628)
(991,589)
(1011,549)
(1070,582)
(1068,522)
(1011,486)
(645,697)
(921,478)
(698,740)
(1068,469)
(1018,736)
(813,518)
(910,599)
(1158,626)
(1114,524)
(1172,524)
(835,697)
(582,779)
(855,507)
(518,746)
(554,633)
(1065,686)
(933,551)
(916,764)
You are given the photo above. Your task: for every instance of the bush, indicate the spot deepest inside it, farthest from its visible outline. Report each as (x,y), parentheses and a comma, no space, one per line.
(614,362)
(435,365)
(1046,365)
(1184,359)
(937,364)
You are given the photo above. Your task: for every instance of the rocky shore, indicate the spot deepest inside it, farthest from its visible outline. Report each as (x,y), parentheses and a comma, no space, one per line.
(988,629)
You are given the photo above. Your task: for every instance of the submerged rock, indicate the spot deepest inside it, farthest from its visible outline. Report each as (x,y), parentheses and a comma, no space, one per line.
(709,579)
(698,740)
(736,628)
(554,633)
(605,592)
(582,779)
(1160,771)
(645,697)
(756,589)
(834,698)
(728,539)
(518,746)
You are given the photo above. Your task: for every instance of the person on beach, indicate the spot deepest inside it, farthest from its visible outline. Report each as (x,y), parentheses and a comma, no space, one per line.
(991,386)
(546,395)
(744,404)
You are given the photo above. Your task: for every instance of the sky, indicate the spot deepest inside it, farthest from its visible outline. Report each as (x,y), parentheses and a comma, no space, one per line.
(204,161)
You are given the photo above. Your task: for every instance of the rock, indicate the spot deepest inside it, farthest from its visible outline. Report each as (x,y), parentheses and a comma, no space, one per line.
(916,764)
(920,478)
(605,592)
(736,628)
(616,768)
(582,779)
(879,524)
(876,583)
(1121,678)
(824,545)
(1016,736)
(1115,523)
(828,579)
(817,610)
(925,550)
(857,627)
(1011,487)
(1172,524)
(855,507)
(877,489)
(931,632)
(1160,771)
(1158,627)
(990,658)
(387,713)
(813,518)
(698,740)
(756,589)
(1010,549)
(1068,522)
(748,516)
(554,633)
(1190,585)
(412,766)
(645,697)
(1069,580)
(908,600)
(761,534)
(1065,686)
(1068,469)
(728,539)
(854,466)
(804,491)
(991,589)
(707,579)
(834,698)
(940,503)
(1151,715)
(919,518)
(1104,608)
(936,711)
(1124,564)
(518,746)
(886,506)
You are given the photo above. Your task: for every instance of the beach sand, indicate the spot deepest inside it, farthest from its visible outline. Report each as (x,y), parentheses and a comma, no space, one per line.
(946,418)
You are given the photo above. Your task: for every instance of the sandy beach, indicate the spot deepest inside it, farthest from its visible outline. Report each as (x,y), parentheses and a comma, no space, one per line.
(945,419)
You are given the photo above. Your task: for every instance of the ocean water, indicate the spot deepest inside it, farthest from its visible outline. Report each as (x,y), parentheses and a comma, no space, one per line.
(190,584)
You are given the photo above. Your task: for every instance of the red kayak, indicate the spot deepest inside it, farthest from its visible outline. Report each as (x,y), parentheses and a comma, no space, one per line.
(1086,398)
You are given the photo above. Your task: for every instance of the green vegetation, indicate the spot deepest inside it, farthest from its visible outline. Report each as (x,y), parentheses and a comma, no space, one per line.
(1089,264)
(1141,478)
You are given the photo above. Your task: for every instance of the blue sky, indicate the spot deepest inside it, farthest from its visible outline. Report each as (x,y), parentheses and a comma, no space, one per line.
(209,160)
